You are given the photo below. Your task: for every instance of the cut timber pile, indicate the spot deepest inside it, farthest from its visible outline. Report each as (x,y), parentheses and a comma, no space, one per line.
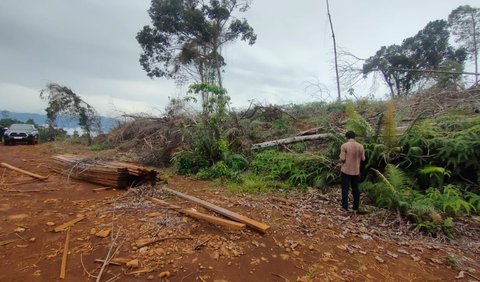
(106,173)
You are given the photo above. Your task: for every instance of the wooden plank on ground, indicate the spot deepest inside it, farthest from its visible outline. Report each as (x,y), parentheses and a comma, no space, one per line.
(64,257)
(232,215)
(5,165)
(229,224)
(68,224)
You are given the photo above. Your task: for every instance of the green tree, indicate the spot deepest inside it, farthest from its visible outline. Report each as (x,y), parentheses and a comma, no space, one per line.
(402,66)
(63,101)
(187,36)
(464,23)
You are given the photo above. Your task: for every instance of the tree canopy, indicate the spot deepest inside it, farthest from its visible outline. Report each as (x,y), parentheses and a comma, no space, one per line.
(401,65)
(63,101)
(464,23)
(185,38)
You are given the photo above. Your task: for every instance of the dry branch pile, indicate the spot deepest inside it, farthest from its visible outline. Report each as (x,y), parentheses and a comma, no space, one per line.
(152,140)
(111,174)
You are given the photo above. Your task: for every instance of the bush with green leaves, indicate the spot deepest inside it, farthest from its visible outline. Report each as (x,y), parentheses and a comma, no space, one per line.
(297,169)
(395,190)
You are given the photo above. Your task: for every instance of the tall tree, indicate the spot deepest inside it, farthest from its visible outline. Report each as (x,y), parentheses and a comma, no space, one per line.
(464,23)
(63,101)
(339,97)
(401,65)
(187,36)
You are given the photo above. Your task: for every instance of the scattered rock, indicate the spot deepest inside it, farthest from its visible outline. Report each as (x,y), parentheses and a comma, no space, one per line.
(19,229)
(150,277)
(460,275)
(133,263)
(393,255)
(379,259)
(284,256)
(403,251)
(50,223)
(103,233)
(33,239)
(311,247)
(366,237)
(164,274)
(93,231)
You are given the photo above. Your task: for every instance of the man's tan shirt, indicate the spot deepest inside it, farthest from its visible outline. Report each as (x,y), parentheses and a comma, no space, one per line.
(351,154)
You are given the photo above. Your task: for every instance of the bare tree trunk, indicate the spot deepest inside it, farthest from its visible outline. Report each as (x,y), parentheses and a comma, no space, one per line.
(475,49)
(339,98)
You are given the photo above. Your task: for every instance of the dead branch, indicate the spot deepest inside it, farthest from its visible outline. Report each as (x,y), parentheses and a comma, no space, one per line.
(109,255)
(40,177)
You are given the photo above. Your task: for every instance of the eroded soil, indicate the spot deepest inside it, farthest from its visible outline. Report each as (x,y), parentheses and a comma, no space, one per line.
(309,240)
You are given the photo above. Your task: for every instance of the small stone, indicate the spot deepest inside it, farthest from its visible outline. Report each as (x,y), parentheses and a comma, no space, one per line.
(33,239)
(393,255)
(50,223)
(93,231)
(150,277)
(284,256)
(311,247)
(379,259)
(19,229)
(103,233)
(403,251)
(164,274)
(133,263)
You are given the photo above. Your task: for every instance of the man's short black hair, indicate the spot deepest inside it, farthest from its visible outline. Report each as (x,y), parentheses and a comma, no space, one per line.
(350,134)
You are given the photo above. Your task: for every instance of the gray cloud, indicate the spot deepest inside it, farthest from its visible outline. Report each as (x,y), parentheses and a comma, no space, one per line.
(90,47)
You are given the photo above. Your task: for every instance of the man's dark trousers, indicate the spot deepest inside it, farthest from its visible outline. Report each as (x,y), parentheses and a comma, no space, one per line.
(348,180)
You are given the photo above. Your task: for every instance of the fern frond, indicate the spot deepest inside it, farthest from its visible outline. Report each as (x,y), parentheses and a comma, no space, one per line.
(389,126)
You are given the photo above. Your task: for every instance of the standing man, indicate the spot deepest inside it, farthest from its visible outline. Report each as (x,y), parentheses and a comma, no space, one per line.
(351,154)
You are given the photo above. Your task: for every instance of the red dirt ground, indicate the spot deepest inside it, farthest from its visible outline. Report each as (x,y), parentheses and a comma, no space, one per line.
(309,240)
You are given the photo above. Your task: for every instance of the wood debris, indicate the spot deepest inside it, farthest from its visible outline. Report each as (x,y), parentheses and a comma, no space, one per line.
(64,257)
(103,233)
(232,225)
(6,242)
(40,177)
(145,242)
(107,173)
(68,224)
(227,213)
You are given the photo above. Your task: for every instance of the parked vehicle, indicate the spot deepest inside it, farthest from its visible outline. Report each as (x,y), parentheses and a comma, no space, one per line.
(20,133)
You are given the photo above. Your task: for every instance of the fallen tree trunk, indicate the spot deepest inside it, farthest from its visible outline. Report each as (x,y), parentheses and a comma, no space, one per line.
(290,140)
(232,215)
(105,173)
(5,165)
(232,225)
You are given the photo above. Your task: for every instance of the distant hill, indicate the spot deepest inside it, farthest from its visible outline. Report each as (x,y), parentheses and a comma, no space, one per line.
(107,123)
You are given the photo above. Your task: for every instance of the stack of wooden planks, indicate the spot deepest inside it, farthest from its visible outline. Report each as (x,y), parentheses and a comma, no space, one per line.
(106,173)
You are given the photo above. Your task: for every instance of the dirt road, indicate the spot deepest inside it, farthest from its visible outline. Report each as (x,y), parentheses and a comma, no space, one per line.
(309,240)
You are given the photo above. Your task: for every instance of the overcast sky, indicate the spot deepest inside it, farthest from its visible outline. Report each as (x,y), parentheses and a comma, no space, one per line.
(90,47)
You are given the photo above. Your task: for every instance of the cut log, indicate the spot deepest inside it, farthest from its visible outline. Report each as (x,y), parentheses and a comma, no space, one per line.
(40,177)
(68,224)
(232,225)
(105,173)
(227,213)
(64,257)
(290,140)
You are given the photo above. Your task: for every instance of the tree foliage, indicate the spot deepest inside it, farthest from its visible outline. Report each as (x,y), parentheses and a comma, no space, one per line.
(63,101)
(464,23)
(401,65)
(187,36)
